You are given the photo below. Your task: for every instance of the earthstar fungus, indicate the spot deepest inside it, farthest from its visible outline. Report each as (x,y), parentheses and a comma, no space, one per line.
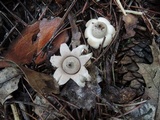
(70,65)
(99,31)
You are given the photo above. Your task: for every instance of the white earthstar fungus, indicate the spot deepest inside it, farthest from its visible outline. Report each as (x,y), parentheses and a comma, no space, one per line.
(99,31)
(70,65)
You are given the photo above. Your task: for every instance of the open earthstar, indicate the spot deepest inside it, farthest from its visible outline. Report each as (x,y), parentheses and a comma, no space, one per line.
(70,65)
(99,32)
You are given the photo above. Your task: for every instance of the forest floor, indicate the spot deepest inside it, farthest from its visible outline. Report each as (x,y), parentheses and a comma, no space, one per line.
(119,81)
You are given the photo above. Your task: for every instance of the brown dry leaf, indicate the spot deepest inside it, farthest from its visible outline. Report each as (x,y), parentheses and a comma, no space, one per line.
(130,23)
(42,83)
(151,74)
(22,50)
(47,29)
(33,39)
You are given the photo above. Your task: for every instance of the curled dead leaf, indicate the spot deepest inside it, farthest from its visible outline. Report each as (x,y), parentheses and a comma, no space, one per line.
(22,50)
(42,83)
(33,39)
(47,29)
(130,23)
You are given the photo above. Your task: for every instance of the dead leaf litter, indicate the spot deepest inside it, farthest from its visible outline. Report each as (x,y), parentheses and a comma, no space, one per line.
(78,60)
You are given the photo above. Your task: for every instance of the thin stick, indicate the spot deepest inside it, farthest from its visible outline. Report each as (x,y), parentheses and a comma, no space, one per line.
(15,16)
(134,12)
(15,112)
(26,10)
(121,7)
